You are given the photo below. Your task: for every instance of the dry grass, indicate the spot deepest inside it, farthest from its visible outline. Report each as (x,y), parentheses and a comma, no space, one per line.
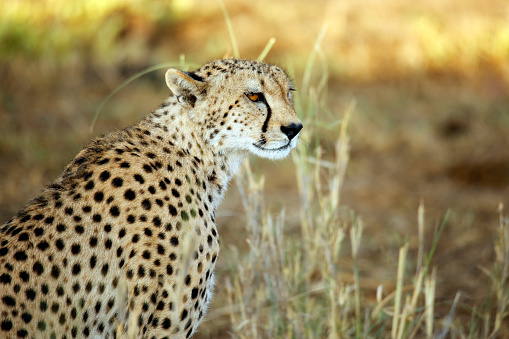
(303,280)
(413,97)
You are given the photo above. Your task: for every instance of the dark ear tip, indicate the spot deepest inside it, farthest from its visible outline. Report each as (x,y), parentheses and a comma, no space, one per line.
(194,76)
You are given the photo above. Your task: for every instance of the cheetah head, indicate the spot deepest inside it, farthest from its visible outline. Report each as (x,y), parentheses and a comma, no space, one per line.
(241,106)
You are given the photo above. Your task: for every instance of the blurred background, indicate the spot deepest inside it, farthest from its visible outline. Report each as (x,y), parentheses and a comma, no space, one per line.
(429,81)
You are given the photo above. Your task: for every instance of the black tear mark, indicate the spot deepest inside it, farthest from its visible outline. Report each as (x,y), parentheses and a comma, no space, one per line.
(269,112)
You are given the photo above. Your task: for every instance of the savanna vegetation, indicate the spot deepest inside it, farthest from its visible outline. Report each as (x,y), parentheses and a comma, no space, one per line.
(387,221)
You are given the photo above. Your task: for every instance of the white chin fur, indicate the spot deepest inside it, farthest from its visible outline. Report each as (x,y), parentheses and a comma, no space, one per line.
(272,154)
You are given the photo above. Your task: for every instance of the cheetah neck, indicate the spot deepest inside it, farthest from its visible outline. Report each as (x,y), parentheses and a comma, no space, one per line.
(171,125)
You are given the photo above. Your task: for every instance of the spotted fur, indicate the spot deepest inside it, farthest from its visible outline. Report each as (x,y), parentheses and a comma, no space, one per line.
(124,241)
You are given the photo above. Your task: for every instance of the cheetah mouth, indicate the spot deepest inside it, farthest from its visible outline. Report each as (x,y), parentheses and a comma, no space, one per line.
(282,148)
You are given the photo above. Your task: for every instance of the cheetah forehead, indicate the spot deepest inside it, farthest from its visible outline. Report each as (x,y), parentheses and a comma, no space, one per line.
(258,69)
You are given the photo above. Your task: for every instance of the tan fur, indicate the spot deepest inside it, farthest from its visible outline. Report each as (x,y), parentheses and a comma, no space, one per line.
(125,240)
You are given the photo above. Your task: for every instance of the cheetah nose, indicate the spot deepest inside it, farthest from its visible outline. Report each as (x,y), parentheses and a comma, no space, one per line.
(291,130)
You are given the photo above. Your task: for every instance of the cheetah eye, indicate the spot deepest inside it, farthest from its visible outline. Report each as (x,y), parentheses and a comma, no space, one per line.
(254,97)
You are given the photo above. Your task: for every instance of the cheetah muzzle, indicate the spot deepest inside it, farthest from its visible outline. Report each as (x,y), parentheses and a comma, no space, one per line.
(124,241)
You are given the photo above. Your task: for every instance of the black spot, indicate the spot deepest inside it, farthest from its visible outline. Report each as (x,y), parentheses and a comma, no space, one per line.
(76,269)
(160,249)
(3,251)
(104,269)
(45,289)
(174,241)
(38,217)
(9,301)
(55,271)
(162,185)
(5,278)
(166,323)
(184,215)
(105,175)
(103,161)
(108,244)
(125,164)
(27,317)
(60,244)
(194,293)
(24,276)
(76,249)
(93,241)
(183,315)
(38,268)
(43,306)
(151,189)
(122,233)
(97,217)
(156,221)
(93,261)
(98,196)
(131,219)
(90,184)
(79,229)
(146,254)
(175,193)
(129,195)
(141,271)
(147,168)
(25,218)
(139,178)
(20,256)
(117,182)
(114,211)
(30,294)
(55,307)
(6,325)
(23,237)
(39,231)
(173,210)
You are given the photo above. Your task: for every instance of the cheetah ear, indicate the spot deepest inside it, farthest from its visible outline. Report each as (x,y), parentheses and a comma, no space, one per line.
(186,86)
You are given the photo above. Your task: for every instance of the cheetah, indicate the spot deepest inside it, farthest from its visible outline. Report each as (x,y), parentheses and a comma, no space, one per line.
(124,242)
